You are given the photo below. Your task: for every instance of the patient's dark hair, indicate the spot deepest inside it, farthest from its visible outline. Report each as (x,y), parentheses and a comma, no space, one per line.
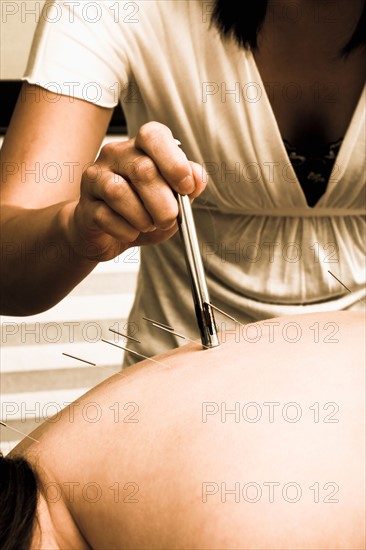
(243,22)
(19,489)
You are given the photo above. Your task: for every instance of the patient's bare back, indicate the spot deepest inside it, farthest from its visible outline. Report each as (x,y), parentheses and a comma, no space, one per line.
(259,443)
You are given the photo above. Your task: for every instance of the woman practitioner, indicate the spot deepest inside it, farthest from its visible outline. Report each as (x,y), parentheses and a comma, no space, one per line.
(257,443)
(267,99)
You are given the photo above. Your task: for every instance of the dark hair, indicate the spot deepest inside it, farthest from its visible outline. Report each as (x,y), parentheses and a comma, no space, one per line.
(245,28)
(358,38)
(19,489)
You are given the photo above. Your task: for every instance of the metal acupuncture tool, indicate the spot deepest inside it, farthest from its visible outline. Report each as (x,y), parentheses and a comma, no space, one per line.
(201,299)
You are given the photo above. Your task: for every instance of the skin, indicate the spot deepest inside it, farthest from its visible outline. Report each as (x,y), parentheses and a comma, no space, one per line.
(300,43)
(129,189)
(177,444)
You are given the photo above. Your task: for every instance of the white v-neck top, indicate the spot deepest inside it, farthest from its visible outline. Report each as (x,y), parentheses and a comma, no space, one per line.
(265,251)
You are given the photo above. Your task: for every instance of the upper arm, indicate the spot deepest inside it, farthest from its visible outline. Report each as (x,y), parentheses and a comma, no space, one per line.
(50,139)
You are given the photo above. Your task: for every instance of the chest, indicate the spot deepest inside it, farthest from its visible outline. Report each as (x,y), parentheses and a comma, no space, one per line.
(313,89)
(313,106)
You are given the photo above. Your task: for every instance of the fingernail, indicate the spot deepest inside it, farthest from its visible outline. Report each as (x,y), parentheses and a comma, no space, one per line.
(167,227)
(149,229)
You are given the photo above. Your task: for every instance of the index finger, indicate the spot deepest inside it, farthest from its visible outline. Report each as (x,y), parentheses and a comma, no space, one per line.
(157,141)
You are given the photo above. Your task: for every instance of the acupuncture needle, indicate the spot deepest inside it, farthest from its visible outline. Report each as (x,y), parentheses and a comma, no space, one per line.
(201,299)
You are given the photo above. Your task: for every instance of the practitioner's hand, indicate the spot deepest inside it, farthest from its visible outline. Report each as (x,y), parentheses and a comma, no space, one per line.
(127,196)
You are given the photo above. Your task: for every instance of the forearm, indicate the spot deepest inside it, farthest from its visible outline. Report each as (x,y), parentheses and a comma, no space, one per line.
(41,262)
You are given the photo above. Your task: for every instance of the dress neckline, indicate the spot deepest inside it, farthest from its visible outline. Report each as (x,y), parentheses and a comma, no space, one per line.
(313,167)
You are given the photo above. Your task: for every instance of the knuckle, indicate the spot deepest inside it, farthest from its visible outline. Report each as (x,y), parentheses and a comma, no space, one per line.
(111,191)
(110,149)
(112,152)
(152,130)
(99,216)
(145,227)
(113,188)
(92,172)
(145,222)
(145,169)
